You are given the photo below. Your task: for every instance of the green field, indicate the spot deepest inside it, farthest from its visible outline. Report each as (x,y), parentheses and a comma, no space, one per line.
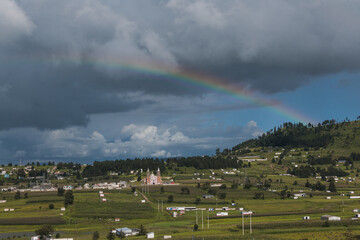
(273,217)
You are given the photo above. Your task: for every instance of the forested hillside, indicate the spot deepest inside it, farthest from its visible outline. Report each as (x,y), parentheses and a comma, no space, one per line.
(328,134)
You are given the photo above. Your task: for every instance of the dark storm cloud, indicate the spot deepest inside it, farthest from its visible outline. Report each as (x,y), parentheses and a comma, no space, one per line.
(269,46)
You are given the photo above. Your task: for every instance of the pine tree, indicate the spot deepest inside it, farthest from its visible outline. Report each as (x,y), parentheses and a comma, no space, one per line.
(332,187)
(142,230)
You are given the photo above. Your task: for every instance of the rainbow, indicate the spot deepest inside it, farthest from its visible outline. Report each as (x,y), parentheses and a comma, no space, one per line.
(172,73)
(208,82)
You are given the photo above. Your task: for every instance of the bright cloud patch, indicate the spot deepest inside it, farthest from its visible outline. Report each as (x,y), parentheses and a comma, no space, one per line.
(133,141)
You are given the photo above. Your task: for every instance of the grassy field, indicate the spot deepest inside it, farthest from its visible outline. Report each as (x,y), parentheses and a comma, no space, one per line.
(273,217)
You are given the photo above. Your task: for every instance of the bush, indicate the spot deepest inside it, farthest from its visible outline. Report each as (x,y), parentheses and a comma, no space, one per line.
(259,195)
(222,196)
(17,195)
(196,227)
(247,185)
(69,198)
(45,231)
(96,235)
(51,206)
(110,236)
(326,224)
(60,191)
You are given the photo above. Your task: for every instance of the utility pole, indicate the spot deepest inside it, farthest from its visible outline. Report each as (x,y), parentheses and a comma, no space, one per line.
(250,224)
(242,217)
(202,219)
(158,206)
(208,219)
(162,205)
(196,218)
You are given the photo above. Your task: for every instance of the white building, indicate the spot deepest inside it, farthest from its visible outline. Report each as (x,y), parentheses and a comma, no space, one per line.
(127,231)
(150,235)
(330,218)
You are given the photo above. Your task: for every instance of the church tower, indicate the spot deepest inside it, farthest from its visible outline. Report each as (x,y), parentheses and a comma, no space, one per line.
(159,177)
(148,176)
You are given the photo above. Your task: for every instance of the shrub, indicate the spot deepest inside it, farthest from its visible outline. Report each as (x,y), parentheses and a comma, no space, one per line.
(222,196)
(196,227)
(326,224)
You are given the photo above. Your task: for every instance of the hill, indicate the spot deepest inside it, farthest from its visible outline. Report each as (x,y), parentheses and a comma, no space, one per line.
(341,138)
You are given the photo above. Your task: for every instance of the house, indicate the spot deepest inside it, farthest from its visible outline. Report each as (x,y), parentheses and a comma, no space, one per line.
(127,231)
(222,214)
(330,218)
(69,187)
(150,235)
(354,197)
(207,196)
(299,194)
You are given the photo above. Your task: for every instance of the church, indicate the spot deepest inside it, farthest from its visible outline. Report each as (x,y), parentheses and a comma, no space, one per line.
(151,179)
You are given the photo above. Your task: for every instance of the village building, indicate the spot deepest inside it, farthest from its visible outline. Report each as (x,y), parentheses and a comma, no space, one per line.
(127,231)
(151,179)
(330,218)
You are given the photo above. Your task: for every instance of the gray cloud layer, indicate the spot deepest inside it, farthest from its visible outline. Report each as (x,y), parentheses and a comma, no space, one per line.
(58,67)
(268,46)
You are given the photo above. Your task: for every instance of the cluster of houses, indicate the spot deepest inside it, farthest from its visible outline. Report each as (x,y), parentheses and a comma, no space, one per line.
(252,159)
(109,186)
(325,217)
(336,179)
(50,238)
(102,196)
(201,209)
(4,173)
(9,209)
(128,232)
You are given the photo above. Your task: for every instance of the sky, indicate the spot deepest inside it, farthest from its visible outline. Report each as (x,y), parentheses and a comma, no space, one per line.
(93,80)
